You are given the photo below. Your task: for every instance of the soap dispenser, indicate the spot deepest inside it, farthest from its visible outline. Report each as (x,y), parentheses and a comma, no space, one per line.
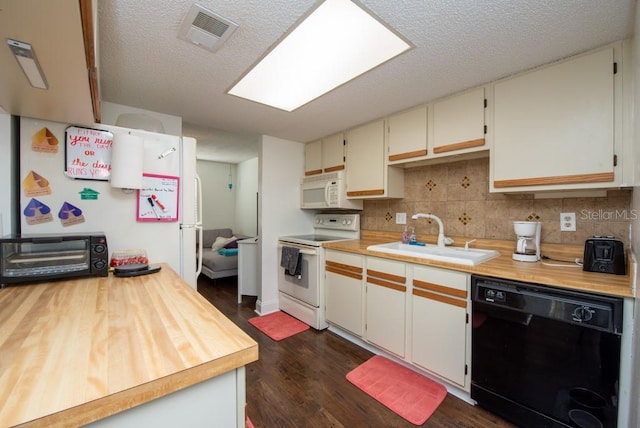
(413,238)
(405,235)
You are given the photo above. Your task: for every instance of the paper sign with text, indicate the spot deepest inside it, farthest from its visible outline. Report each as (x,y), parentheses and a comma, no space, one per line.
(88,153)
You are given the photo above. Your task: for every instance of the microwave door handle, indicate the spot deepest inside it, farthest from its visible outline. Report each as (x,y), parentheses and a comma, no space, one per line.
(326,193)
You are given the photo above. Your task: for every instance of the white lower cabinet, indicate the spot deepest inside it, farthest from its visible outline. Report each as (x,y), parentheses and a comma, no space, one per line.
(439,322)
(418,313)
(344,289)
(385,304)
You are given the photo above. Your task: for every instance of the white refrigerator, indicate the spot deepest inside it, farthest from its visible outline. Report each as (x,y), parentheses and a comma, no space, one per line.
(63,189)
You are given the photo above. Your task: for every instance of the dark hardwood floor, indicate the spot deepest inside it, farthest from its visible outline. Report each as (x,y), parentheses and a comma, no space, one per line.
(300,381)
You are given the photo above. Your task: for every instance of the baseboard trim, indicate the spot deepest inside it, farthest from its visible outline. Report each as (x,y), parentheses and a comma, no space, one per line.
(265,308)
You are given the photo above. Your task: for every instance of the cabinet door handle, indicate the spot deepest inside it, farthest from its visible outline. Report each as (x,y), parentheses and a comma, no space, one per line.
(454,292)
(343,272)
(439,298)
(387,284)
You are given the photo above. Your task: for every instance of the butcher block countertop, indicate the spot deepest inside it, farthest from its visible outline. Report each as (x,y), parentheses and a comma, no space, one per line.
(79,350)
(505,267)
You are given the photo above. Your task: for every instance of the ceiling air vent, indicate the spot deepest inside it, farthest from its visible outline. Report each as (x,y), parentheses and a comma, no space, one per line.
(205,28)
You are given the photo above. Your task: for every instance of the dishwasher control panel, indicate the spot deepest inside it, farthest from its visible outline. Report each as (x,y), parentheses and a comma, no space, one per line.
(491,295)
(535,300)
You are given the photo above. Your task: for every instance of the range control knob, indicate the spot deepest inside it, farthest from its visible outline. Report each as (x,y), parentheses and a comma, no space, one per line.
(582,314)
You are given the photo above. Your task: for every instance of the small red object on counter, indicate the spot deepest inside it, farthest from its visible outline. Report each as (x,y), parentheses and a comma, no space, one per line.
(128,257)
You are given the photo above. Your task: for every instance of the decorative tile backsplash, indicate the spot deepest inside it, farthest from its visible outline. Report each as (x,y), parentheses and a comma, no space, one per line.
(458,193)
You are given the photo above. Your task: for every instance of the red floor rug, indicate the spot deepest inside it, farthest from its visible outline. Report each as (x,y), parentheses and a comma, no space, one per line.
(410,395)
(278,325)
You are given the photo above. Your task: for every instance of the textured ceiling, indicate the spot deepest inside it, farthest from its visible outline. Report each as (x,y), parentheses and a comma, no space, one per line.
(459,44)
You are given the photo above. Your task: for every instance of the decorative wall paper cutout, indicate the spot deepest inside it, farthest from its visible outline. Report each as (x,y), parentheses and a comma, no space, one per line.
(70,215)
(44,141)
(89,194)
(35,185)
(36,212)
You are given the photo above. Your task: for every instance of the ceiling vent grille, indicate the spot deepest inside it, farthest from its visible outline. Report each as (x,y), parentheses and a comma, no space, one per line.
(205,28)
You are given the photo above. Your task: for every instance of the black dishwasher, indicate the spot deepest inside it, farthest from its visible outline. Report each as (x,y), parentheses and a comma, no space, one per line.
(543,356)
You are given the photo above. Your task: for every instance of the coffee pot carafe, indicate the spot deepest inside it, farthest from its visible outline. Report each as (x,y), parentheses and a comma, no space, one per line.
(528,241)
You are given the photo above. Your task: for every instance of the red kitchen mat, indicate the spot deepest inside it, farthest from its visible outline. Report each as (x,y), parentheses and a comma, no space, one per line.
(407,393)
(278,325)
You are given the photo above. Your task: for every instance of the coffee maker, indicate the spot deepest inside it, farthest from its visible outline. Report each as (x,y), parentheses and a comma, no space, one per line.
(528,243)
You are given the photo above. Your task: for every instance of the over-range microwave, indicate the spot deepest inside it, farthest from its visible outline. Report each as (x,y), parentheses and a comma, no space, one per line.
(326,191)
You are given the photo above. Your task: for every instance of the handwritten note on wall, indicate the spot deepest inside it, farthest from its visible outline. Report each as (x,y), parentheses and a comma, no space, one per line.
(88,153)
(158,198)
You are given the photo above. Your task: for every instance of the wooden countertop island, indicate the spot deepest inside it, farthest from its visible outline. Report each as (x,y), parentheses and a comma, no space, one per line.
(77,351)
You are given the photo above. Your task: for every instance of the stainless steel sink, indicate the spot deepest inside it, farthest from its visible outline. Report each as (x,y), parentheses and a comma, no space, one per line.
(468,257)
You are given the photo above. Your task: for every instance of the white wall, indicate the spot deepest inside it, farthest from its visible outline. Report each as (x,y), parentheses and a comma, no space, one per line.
(635,232)
(218,202)
(634,418)
(6,174)
(246,199)
(110,111)
(281,167)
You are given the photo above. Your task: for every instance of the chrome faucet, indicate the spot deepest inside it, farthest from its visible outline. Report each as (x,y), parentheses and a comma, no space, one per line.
(442,240)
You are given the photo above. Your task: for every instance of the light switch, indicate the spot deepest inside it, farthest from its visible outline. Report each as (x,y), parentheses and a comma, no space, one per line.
(401,218)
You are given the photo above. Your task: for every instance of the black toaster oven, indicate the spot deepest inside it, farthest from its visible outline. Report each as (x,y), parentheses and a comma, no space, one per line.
(29,258)
(604,254)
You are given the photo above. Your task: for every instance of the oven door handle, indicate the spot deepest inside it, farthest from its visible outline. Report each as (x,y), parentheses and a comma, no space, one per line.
(309,252)
(301,250)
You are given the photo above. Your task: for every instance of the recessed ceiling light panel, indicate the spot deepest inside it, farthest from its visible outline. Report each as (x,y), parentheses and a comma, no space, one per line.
(337,42)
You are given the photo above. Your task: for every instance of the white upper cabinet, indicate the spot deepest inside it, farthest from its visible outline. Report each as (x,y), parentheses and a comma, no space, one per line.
(333,153)
(368,175)
(67,52)
(407,134)
(563,126)
(365,160)
(313,158)
(451,126)
(459,123)
(557,128)
(325,155)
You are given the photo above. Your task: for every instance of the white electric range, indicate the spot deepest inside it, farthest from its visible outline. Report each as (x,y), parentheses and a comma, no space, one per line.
(302,295)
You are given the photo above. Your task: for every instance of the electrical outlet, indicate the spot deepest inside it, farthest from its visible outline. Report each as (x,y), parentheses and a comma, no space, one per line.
(401,218)
(568,222)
